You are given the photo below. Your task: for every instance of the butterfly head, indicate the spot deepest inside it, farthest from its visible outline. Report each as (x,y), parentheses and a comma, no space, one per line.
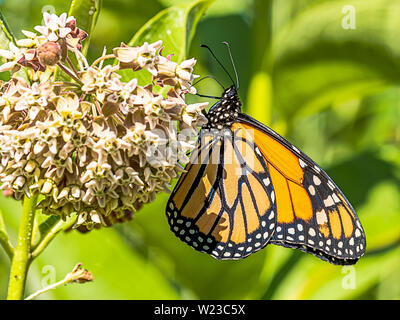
(225,111)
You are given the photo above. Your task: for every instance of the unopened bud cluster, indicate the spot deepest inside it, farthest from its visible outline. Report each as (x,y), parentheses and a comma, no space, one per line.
(94,145)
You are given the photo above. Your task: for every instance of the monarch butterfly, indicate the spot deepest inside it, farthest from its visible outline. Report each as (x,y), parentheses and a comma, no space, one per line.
(245,186)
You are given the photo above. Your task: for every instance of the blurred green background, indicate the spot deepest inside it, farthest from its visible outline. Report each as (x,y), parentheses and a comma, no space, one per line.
(329,84)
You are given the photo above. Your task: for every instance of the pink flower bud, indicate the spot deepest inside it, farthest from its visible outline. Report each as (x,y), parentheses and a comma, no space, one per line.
(49,53)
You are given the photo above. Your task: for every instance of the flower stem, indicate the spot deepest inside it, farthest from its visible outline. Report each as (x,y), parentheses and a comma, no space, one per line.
(69,72)
(4,240)
(21,259)
(71,65)
(102,58)
(77,275)
(7,246)
(44,242)
(48,288)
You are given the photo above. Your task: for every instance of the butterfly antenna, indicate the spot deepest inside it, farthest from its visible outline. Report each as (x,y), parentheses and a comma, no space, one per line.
(211,77)
(204,96)
(233,63)
(219,62)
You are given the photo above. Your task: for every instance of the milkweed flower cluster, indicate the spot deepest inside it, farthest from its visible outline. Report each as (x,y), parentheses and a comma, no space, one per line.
(94,144)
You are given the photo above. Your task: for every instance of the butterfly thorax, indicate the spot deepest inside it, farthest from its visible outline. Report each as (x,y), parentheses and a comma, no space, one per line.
(225,111)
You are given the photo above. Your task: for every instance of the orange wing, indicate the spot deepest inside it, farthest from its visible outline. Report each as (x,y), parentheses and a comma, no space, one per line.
(312,213)
(223,204)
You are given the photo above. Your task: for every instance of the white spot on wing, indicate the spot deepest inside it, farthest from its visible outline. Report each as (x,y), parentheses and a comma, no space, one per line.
(335,198)
(272,225)
(295,149)
(271,215)
(316,180)
(329,201)
(321,217)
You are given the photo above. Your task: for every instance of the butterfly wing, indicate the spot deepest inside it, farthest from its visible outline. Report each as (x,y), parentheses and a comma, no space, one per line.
(222,204)
(312,214)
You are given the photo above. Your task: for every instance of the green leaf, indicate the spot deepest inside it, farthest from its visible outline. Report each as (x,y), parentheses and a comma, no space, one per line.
(6,37)
(86,13)
(317,62)
(235,7)
(5,34)
(175,26)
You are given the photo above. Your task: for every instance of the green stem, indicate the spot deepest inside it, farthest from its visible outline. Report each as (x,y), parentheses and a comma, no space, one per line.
(7,246)
(102,58)
(77,275)
(21,259)
(4,239)
(69,72)
(44,242)
(48,288)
